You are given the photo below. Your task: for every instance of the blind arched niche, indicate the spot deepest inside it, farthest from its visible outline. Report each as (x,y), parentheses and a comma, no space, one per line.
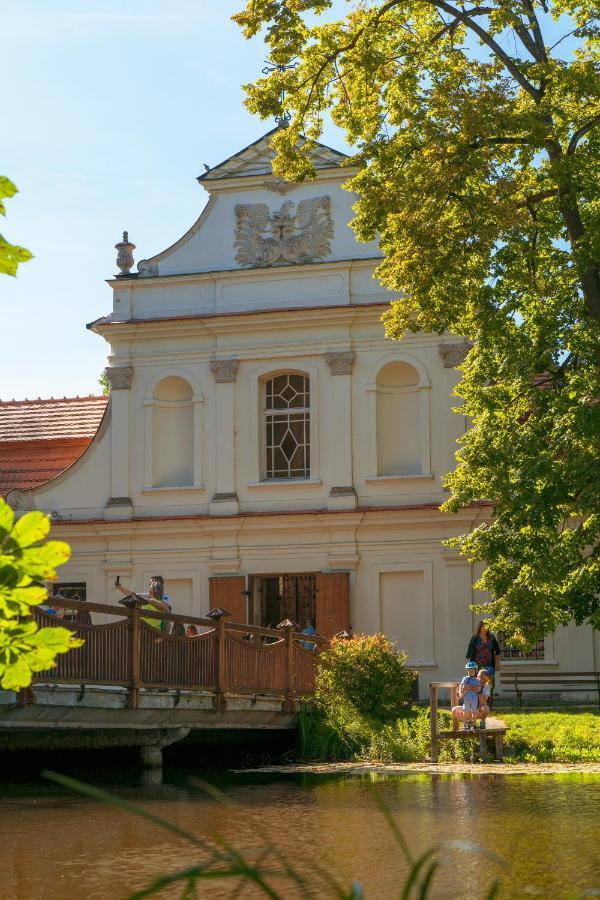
(172,433)
(402,421)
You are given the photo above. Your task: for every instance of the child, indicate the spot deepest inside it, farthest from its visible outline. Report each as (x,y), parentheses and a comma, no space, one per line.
(468,690)
(483,710)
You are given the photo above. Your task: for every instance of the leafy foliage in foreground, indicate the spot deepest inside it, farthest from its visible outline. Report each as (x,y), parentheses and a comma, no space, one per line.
(10,254)
(24,562)
(478,128)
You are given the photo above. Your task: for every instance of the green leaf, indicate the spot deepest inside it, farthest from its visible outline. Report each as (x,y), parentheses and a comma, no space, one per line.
(31,528)
(7,518)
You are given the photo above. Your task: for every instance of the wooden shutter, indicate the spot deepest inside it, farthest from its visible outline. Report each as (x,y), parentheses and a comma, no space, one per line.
(229,592)
(333,603)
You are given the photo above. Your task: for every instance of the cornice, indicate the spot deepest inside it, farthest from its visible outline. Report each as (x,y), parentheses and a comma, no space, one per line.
(255,319)
(258,274)
(266,181)
(310,519)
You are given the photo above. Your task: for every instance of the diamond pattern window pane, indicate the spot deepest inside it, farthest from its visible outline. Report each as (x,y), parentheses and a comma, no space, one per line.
(287,426)
(288,391)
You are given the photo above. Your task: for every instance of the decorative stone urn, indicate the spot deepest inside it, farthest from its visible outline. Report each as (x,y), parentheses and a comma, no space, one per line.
(125,255)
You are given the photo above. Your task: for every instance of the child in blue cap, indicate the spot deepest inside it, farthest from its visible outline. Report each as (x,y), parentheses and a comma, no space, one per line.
(469,690)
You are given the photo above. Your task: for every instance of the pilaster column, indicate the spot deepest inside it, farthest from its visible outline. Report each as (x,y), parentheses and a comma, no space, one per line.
(119,505)
(342,494)
(224,501)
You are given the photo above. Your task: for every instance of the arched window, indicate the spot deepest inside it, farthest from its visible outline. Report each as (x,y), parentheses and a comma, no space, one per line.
(172,433)
(400,430)
(286,414)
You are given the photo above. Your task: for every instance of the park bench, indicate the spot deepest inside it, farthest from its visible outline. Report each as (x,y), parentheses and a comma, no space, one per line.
(495,728)
(519,683)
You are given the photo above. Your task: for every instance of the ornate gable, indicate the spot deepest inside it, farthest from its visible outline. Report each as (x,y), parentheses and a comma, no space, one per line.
(256,159)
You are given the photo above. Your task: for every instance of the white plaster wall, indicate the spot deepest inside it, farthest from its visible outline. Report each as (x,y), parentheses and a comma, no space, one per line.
(83,489)
(395,559)
(210,248)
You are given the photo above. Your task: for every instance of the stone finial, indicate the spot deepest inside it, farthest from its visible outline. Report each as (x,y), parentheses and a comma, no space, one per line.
(224,370)
(340,363)
(454,354)
(125,255)
(119,377)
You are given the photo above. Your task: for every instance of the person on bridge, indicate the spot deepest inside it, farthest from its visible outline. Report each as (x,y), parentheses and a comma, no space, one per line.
(155,598)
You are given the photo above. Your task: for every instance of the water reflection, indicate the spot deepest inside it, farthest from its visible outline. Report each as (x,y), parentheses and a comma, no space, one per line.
(56,845)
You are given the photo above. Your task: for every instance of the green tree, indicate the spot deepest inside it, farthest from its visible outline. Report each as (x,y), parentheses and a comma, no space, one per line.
(104,383)
(10,254)
(24,562)
(478,129)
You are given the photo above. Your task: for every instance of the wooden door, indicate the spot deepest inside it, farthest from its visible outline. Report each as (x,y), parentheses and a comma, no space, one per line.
(333,603)
(229,592)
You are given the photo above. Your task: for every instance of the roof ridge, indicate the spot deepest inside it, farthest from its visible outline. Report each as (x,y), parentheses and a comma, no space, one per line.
(41,400)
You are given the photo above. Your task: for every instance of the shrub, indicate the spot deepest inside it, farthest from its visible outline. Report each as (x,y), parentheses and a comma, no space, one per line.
(367,673)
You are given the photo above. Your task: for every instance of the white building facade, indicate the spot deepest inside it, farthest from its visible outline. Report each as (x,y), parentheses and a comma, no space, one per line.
(266,448)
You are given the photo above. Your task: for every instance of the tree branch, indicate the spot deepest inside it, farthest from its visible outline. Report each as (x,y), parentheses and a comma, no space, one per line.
(537,32)
(498,141)
(489,41)
(537,198)
(581,132)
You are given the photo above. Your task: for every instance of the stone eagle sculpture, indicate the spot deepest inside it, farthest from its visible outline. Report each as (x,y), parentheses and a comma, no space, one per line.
(283,237)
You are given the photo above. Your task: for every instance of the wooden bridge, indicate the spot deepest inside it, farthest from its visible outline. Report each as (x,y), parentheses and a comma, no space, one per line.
(132,684)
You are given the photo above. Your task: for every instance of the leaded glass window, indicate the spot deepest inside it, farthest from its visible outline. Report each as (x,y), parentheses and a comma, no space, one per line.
(287,426)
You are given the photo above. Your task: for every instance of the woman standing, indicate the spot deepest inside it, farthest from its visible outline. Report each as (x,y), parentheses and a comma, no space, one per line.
(484,650)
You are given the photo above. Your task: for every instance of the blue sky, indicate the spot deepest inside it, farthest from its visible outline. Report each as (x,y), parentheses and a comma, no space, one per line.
(113,110)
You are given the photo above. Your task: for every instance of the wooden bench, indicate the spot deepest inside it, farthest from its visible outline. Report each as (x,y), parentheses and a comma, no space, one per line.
(495,728)
(519,683)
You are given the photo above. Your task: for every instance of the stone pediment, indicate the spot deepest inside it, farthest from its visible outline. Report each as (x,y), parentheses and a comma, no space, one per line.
(257,158)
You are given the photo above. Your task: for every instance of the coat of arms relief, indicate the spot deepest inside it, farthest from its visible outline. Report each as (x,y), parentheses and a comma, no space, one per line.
(288,235)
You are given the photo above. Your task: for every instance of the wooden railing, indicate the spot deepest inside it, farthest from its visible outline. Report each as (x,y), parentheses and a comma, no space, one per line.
(229,658)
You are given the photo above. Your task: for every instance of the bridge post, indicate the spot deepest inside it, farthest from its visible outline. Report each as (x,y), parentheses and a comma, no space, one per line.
(134,649)
(288,627)
(219,703)
(151,757)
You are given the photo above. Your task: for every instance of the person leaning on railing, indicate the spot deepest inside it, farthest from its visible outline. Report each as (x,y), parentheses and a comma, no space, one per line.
(155,599)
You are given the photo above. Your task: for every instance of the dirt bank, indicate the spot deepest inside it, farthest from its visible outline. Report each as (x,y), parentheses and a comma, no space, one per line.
(493,768)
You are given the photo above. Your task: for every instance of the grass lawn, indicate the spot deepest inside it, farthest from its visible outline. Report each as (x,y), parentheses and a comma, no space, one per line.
(536,737)
(552,736)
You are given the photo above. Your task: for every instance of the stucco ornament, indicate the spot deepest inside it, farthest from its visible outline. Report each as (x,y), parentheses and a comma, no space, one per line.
(20,500)
(263,238)
(147,268)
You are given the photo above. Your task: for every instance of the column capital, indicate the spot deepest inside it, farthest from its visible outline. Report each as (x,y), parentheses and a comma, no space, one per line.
(454,354)
(340,362)
(224,370)
(119,377)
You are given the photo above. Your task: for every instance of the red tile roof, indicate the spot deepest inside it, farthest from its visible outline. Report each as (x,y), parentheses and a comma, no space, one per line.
(51,420)
(39,439)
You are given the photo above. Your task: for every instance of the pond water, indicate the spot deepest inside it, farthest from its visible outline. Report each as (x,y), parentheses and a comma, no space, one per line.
(544,829)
